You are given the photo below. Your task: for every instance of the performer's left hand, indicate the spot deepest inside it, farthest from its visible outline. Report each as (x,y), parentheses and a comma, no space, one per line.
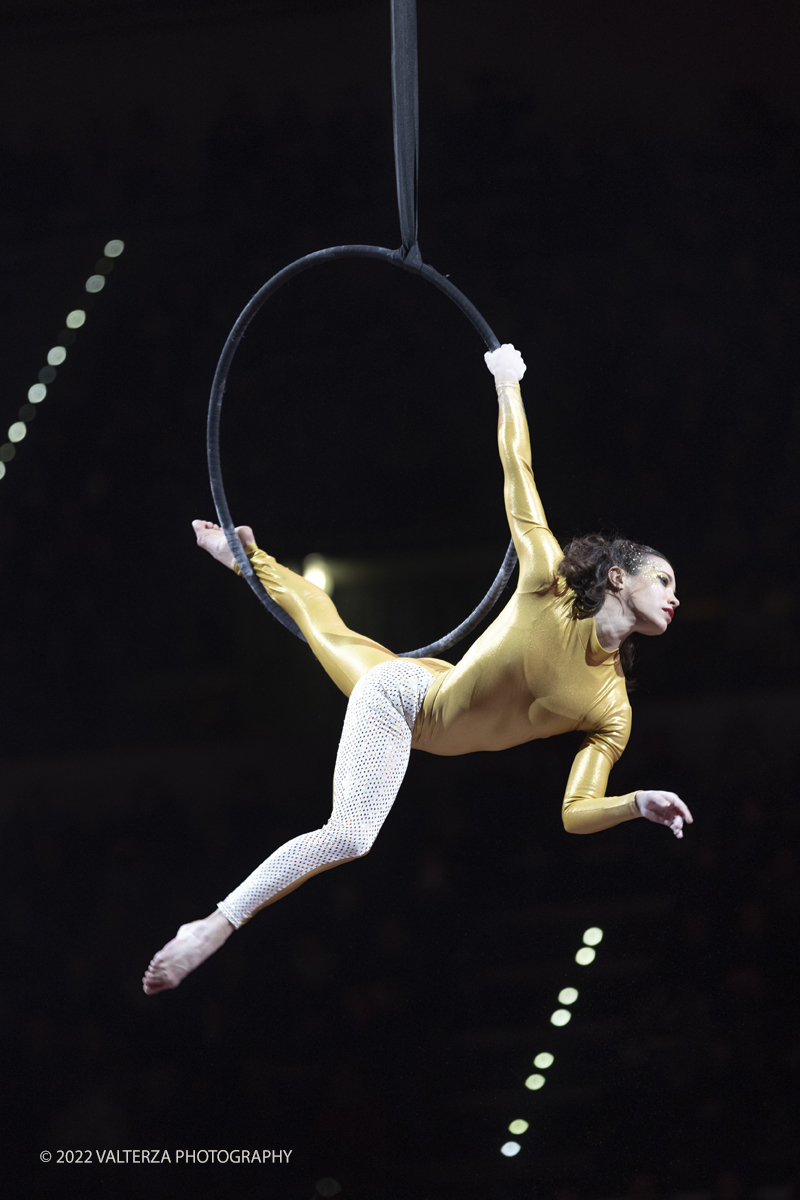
(665,808)
(506,363)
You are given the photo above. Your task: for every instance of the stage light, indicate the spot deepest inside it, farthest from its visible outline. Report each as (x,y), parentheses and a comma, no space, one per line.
(560,1017)
(57,354)
(510,1149)
(317,571)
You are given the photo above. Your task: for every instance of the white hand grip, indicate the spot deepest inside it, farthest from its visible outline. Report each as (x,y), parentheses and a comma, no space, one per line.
(505,363)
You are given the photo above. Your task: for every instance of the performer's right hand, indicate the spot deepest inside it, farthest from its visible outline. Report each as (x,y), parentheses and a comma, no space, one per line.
(665,808)
(505,363)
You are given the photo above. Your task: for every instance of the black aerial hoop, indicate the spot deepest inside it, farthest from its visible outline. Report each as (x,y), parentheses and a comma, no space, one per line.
(409,258)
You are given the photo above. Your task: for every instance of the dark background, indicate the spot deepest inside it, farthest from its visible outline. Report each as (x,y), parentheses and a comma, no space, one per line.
(615,187)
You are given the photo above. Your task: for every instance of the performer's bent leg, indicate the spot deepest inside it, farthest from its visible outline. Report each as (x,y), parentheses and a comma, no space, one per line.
(370,765)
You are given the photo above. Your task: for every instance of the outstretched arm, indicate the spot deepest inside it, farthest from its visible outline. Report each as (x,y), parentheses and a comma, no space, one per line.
(587,809)
(538,551)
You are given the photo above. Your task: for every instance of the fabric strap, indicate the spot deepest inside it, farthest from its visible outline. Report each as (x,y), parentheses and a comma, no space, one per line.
(405,120)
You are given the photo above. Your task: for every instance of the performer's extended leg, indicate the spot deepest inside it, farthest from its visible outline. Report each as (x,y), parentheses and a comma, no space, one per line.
(370,765)
(345,654)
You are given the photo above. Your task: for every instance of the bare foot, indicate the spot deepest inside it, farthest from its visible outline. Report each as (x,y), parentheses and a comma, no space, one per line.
(193,944)
(212,539)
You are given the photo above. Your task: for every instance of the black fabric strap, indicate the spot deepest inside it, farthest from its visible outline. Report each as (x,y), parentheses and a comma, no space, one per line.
(405,118)
(405,108)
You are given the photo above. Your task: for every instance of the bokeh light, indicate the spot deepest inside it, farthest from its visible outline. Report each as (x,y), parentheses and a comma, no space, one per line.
(518,1126)
(585,956)
(534,1082)
(562,1016)
(328,1186)
(568,995)
(2,469)
(317,571)
(543,1060)
(510,1149)
(593,936)
(57,354)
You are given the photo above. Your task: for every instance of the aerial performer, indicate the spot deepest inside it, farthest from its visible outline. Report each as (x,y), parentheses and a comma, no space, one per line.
(553,661)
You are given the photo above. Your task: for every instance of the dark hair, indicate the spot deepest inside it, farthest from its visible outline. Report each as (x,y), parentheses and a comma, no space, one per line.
(585,566)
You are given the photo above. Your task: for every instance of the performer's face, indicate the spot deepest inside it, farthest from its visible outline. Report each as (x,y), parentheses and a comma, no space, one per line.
(650,595)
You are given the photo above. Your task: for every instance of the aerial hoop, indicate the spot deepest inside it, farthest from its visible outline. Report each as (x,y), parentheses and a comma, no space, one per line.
(412,263)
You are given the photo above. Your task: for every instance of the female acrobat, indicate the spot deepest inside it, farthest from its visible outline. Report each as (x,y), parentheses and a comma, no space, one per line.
(552,661)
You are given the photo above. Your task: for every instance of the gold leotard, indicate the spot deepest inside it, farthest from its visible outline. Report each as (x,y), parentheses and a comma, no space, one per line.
(538,670)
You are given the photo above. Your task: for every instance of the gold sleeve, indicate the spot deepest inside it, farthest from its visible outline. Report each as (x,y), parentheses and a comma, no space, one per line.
(586,808)
(274,578)
(538,551)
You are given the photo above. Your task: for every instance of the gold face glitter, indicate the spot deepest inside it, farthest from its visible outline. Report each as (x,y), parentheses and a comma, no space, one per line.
(652,573)
(655,575)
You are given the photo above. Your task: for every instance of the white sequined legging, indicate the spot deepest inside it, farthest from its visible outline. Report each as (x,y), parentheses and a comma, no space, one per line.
(370,765)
